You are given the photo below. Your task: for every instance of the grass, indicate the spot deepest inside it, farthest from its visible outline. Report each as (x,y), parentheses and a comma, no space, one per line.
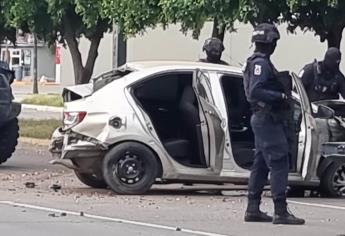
(39,129)
(45,100)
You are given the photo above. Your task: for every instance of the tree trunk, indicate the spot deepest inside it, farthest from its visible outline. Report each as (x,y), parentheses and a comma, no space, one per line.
(216,32)
(35,84)
(334,37)
(82,74)
(91,59)
(76,58)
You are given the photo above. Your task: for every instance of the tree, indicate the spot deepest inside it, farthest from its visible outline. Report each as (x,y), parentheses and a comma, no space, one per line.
(136,16)
(31,17)
(73,19)
(325,17)
(260,11)
(6,31)
(193,15)
(65,21)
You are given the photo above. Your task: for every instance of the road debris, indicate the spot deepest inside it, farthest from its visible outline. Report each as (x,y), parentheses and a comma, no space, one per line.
(55,187)
(51,215)
(30,185)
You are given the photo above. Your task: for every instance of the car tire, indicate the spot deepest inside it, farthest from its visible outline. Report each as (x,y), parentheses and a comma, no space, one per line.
(130,168)
(334,174)
(9,134)
(91,180)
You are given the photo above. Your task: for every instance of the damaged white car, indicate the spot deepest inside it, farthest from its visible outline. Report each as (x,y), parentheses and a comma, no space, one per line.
(187,122)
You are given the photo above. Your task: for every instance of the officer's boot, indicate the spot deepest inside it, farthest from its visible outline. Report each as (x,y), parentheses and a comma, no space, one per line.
(253,213)
(283,216)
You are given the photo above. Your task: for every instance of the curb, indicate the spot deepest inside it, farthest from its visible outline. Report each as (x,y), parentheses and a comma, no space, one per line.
(42,108)
(26,83)
(35,141)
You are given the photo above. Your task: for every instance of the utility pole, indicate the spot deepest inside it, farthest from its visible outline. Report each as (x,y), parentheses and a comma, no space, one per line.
(119,47)
(35,84)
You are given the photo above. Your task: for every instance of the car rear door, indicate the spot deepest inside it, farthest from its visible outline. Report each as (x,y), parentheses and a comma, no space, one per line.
(212,124)
(309,145)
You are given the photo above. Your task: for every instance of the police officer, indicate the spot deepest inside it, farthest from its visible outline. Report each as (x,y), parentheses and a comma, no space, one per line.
(268,101)
(323,80)
(214,48)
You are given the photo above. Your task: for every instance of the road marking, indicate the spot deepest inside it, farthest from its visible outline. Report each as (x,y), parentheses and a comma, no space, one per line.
(318,205)
(117,220)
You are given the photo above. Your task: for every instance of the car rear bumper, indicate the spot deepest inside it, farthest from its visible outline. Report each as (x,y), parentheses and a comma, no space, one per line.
(68,145)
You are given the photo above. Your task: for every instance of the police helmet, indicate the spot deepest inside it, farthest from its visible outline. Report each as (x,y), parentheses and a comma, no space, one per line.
(265,33)
(213,44)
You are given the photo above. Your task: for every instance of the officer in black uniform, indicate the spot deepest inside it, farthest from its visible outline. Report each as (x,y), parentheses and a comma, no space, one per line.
(268,101)
(214,48)
(323,80)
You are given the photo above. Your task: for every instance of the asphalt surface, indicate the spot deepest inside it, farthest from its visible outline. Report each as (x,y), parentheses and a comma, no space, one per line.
(19,221)
(166,210)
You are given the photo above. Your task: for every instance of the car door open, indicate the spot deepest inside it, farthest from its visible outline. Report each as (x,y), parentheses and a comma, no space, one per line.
(211,121)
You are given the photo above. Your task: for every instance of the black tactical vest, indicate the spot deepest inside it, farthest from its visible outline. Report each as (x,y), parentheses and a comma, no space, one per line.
(323,85)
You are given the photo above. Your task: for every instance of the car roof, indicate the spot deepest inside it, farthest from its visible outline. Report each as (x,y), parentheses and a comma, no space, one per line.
(142,65)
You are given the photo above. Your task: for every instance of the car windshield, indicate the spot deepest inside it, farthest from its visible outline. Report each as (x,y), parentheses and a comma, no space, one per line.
(108,77)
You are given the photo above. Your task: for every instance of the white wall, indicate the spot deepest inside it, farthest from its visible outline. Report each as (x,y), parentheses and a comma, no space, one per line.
(46,62)
(292,53)
(103,61)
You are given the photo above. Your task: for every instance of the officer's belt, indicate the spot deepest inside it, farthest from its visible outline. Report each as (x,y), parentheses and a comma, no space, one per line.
(261,106)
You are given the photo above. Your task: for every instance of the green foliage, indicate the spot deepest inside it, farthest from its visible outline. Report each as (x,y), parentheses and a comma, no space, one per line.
(43,99)
(40,129)
(259,11)
(135,16)
(6,31)
(194,13)
(30,16)
(325,17)
(82,16)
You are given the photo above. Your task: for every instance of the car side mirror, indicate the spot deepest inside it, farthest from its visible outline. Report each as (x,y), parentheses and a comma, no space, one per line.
(324,112)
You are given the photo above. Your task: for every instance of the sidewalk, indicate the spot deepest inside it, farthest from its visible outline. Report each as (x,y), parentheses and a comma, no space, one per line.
(23,89)
(34,112)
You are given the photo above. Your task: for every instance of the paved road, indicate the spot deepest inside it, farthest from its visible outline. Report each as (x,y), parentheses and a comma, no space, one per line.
(172,206)
(19,221)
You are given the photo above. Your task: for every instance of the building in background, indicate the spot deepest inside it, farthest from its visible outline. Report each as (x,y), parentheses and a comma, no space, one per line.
(20,58)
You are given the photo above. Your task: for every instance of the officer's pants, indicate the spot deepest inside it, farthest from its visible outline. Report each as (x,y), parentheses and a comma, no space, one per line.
(271,155)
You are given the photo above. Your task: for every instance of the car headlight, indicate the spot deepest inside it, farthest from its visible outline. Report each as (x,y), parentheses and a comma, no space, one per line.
(71,119)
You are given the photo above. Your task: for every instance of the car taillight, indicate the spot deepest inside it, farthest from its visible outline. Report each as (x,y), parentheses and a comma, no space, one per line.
(71,119)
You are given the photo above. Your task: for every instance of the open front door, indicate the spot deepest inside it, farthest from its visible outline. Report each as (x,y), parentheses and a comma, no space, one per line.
(212,124)
(308,137)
